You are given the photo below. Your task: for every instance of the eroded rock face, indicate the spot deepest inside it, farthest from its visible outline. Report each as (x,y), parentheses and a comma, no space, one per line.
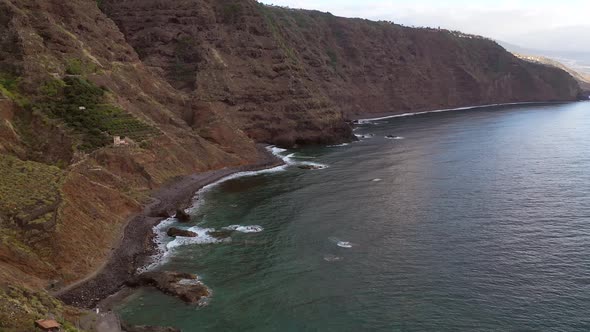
(185,286)
(182,216)
(173,231)
(290,77)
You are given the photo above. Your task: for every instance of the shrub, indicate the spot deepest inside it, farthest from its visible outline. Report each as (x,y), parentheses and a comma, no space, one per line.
(231,12)
(80,106)
(52,88)
(80,67)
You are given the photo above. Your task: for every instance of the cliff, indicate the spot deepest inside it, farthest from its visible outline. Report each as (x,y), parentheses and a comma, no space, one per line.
(291,76)
(582,78)
(193,85)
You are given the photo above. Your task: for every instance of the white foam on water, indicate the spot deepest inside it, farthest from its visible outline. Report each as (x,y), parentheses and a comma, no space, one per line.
(340,243)
(394,137)
(344,244)
(245,229)
(291,159)
(159,239)
(164,247)
(372,120)
(316,166)
(189,282)
(338,145)
(202,237)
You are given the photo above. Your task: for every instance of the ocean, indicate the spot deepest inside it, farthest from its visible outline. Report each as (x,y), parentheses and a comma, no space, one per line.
(471,220)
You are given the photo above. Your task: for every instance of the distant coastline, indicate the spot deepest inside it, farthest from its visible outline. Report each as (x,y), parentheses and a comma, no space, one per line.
(464,108)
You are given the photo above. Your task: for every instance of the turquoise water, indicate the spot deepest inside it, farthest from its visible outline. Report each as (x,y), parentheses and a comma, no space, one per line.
(475,220)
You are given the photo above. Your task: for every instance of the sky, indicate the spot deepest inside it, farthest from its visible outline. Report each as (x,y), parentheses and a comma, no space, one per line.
(529,23)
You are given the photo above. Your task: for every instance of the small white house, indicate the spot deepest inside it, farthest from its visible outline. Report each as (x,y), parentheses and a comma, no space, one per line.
(118,141)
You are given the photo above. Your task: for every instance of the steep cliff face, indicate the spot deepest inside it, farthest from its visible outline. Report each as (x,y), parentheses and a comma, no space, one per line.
(286,75)
(69,83)
(194,84)
(232,61)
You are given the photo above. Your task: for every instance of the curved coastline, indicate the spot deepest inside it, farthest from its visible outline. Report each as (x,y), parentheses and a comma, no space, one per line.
(136,246)
(464,108)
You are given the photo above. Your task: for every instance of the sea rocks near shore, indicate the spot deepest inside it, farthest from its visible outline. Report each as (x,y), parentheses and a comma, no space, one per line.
(182,216)
(311,167)
(174,232)
(221,234)
(185,286)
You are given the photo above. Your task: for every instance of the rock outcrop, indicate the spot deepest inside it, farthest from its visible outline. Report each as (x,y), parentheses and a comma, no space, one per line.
(197,84)
(293,76)
(185,286)
(182,216)
(173,231)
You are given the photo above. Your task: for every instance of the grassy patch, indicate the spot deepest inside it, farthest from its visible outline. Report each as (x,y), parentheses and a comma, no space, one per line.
(20,308)
(333,58)
(80,105)
(80,67)
(9,88)
(231,12)
(25,185)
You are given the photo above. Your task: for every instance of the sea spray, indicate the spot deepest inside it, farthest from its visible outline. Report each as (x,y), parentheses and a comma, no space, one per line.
(165,245)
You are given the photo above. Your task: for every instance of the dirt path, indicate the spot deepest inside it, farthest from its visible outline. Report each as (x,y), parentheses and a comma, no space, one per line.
(136,245)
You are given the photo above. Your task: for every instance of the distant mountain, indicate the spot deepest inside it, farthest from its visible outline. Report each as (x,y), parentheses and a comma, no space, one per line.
(577,60)
(582,78)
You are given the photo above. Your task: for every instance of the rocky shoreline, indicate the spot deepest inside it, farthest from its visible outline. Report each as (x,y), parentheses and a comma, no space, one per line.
(137,246)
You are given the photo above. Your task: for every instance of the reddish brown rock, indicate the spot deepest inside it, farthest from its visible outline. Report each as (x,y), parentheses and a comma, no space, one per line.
(292,77)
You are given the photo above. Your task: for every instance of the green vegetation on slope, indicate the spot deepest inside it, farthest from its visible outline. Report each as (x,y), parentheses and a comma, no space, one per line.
(81,105)
(26,185)
(9,88)
(20,308)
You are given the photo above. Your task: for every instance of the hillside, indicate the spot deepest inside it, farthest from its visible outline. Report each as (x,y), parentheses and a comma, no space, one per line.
(276,69)
(194,85)
(582,78)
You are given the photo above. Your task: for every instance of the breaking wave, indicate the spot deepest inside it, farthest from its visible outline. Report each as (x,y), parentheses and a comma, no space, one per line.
(245,229)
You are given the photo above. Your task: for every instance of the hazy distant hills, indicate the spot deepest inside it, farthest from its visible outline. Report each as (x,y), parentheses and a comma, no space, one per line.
(571,39)
(569,45)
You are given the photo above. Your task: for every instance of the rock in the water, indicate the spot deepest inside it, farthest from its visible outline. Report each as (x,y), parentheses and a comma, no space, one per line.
(221,234)
(145,328)
(173,231)
(310,167)
(185,286)
(182,216)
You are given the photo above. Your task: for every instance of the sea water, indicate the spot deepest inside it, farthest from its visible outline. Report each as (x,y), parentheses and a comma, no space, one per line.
(472,220)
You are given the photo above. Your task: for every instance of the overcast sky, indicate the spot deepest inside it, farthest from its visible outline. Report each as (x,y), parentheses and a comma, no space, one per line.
(523,22)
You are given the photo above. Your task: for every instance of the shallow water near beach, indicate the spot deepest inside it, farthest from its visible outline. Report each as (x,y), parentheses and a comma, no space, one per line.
(467,220)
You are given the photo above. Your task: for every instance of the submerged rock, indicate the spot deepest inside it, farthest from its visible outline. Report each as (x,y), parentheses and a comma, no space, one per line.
(182,216)
(146,328)
(310,167)
(173,231)
(185,286)
(221,234)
